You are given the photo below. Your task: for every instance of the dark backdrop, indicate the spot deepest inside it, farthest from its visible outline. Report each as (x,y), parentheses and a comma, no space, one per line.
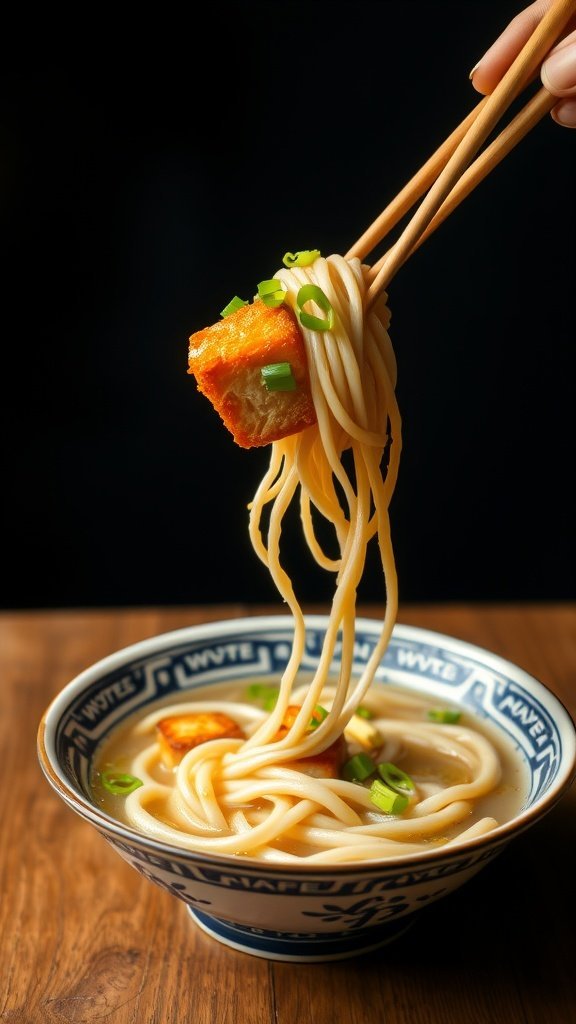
(156,168)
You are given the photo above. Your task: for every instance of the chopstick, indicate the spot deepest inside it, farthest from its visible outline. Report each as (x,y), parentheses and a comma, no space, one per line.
(540,105)
(458,151)
(413,190)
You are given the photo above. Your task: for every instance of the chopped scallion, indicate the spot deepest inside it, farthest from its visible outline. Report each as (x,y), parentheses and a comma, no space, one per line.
(233,306)
(303,258)
(312,293)
(120,783)
(278,377)
(364,712)
(358,768)
(387,799)
(394,777)
(271,292)
(265,694)
(318,716)
(444,715)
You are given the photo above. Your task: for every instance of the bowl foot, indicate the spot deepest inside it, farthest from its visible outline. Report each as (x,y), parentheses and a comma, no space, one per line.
(299,948)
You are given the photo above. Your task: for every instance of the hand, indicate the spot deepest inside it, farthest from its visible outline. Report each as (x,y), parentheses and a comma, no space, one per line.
(558,71)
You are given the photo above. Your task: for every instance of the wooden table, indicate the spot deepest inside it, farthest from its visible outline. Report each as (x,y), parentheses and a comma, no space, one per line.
(83,938)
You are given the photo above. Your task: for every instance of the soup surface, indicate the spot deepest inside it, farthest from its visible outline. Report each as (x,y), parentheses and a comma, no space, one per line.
(177,774)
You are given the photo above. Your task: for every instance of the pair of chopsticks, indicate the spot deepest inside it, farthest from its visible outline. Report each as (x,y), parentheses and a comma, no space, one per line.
(450,175)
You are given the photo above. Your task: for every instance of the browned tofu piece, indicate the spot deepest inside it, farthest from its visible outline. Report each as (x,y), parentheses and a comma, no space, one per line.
(177,734)
(325,765)
(227,359)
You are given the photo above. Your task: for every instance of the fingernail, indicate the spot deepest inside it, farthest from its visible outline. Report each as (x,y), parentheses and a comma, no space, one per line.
(559,71)
(565,114)
(474,70)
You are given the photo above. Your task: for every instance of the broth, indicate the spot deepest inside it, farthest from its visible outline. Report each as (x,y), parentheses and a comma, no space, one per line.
(397,714)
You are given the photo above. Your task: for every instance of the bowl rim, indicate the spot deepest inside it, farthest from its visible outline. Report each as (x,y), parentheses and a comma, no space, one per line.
(213,629)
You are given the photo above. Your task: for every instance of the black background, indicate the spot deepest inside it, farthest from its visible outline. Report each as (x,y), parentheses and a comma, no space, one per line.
(155,168)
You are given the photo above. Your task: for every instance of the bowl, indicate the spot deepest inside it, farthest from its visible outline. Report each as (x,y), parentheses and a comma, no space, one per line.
(305,913)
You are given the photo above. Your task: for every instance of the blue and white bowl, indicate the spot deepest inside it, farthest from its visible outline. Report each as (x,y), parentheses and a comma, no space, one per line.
(304,913)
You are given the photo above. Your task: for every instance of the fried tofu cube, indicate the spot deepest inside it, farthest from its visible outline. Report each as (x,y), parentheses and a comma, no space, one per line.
(290,716)
(360,731)
(177,734)
(325,765)
(227,359)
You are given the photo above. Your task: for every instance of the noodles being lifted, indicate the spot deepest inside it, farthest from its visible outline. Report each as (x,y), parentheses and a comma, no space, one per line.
(250,792)
(352,377)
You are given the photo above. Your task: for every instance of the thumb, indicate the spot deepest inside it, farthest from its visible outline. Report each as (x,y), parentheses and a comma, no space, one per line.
(558,72)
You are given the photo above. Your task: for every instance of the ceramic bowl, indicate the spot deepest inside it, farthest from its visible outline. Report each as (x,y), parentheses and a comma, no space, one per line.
(304,913)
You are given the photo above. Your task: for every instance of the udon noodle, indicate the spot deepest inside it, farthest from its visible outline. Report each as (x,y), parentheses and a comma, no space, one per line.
(248,796)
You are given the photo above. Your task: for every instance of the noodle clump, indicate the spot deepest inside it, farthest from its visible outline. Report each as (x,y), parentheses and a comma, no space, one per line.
(247,796)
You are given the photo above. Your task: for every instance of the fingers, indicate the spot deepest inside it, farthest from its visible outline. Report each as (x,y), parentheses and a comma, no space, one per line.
(558,74)
(558,71)
(496,61)
(564,113)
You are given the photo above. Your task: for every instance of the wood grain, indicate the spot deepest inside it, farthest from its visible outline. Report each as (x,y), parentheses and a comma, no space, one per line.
(83,938)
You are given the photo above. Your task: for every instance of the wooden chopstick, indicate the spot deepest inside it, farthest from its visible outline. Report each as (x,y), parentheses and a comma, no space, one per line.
(540,105)
(479,125)
(413,190)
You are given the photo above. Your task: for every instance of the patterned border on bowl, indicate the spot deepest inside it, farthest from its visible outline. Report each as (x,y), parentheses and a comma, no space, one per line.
(350,907)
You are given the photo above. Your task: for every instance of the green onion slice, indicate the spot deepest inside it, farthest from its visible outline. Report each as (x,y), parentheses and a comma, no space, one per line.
(318,716)
(312,293)
(265,694)
(235,304)
(303,258)
(278,377)
(120,783)
(387,799)
(364,712)
(271,292)
(444,715)
(396,779)
(358,768)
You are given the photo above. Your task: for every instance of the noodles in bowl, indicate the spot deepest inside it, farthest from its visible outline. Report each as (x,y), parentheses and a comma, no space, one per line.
(293,907)
(444,771)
